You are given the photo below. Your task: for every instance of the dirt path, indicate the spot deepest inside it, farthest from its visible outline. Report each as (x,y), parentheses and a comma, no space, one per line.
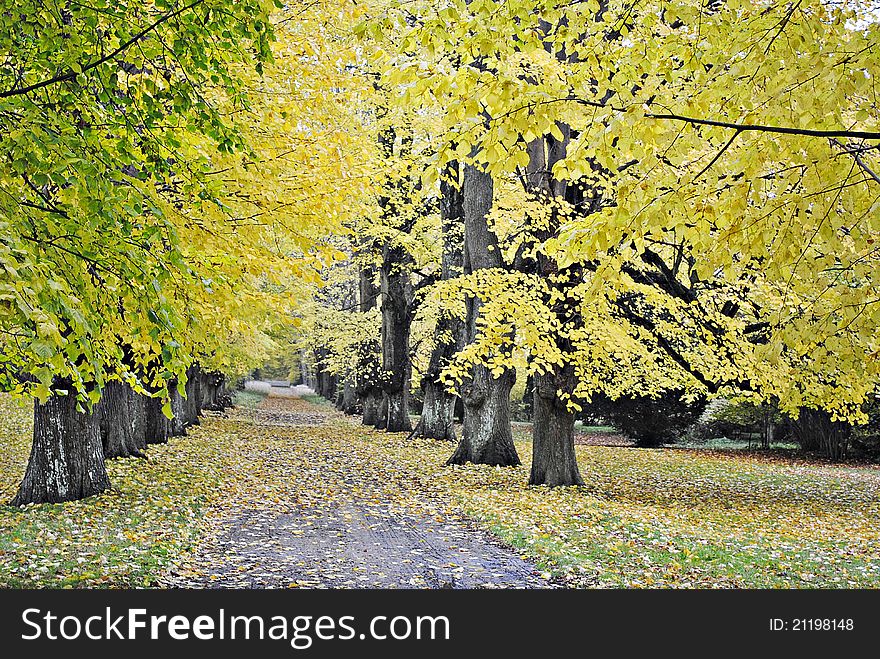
(351,536)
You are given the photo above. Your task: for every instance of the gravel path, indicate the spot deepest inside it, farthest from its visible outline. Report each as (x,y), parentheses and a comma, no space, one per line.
(349,543)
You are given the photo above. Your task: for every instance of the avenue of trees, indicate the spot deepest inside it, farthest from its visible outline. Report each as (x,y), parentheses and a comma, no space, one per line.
(650,204)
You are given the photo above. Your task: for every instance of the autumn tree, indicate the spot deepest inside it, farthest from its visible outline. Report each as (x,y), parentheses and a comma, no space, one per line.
(736,167)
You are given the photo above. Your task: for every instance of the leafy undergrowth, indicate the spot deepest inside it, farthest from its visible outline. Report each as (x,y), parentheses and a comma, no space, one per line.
(647,518)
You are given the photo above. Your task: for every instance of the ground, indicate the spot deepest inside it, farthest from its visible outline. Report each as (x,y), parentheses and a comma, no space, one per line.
(288,492)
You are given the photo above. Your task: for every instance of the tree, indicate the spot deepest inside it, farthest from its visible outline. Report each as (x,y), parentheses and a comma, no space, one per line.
(145,232)
(438,409)
(735,168)
(486,434)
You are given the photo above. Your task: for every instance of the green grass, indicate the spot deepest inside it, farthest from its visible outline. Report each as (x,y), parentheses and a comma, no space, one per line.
(320,401)
(125,537)
(248,399)
(671,518)
(645,518)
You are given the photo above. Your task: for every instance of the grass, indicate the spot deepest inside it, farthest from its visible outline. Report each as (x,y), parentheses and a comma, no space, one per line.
(248,399)
(646,518)
(668,518)
(123,538)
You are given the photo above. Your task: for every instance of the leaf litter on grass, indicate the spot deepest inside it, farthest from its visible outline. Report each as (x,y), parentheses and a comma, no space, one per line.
(646,518)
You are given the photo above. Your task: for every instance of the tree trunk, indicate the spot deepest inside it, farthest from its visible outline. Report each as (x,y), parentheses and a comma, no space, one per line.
(157,427)
(340,396)
(66,461)
(528,399)
(371,403)
(554,461)
(122,421)
(437,420)
(193,405)
(349,395)
(178,409)
(397,297)
(382,418)
(439,405)
(486,435)
(369,369)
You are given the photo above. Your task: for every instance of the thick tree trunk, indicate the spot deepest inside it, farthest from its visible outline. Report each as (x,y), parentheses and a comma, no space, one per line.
(340,395)
(382,418)
(157,427)
(396,300)
(486,435)
(554,461)
(178,409)
(349,396)
(193,404)
(66,461)
(369,369)
(371,403)
(437,420)
(439,405)
(122,421)
(397,419)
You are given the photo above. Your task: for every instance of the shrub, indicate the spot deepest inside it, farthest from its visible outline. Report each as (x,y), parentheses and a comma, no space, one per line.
(649,421)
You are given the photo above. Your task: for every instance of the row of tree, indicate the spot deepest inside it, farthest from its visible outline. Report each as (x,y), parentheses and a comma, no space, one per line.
(166,197)
(621,201)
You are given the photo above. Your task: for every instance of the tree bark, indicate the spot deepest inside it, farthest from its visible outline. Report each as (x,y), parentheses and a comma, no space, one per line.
(178,409)
(554,461)
(157,427)
(486,435)
(349,395)
(121,418)
(437,420)
(371,403)
(66,461)
(382,418)
(369,369)
(193,406)
(397,297)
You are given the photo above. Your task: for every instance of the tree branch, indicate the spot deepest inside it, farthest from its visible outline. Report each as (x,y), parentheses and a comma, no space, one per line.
(70,75)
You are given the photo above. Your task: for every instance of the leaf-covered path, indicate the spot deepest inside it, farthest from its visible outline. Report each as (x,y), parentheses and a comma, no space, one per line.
(332,513)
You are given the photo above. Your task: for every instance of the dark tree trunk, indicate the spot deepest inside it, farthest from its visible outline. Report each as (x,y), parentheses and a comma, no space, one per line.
(369,369)
(528,399)
(349,396)
(438,408)
(121,417)
(371,403)
(178,409)
(382,419)
(396,303)
(554,461)
(66,461)
(486,435)
(193,404)
(340,395)
(157,427)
